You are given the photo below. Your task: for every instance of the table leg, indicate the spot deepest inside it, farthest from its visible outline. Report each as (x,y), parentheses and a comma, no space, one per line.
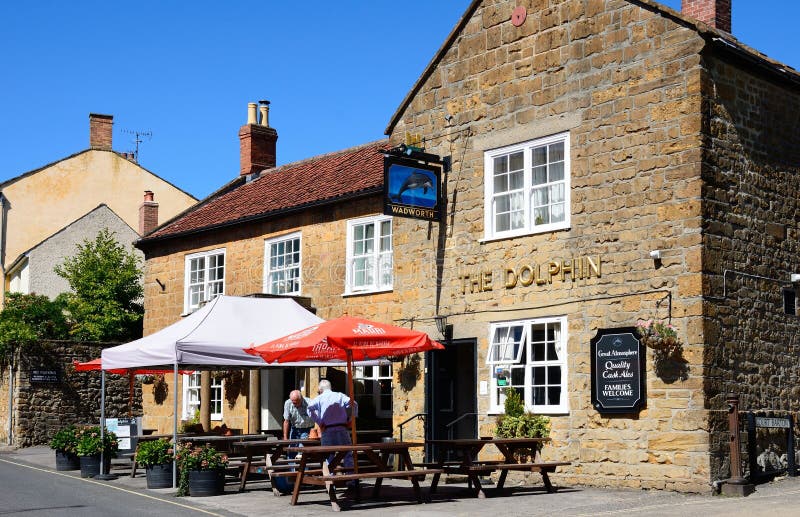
(298,479)
(330,487)
(547,484)
(245,471)
(406,457)
(439,464)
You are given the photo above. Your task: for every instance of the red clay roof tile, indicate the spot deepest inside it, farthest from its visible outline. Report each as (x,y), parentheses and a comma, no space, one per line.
(316,179)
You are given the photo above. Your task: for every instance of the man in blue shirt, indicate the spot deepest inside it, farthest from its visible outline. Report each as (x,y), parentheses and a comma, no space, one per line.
(334,414)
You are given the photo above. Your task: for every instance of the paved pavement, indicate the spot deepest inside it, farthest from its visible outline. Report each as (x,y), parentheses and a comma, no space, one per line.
(781,497)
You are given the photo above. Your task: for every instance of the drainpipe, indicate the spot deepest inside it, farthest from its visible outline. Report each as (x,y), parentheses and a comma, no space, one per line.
(2,306)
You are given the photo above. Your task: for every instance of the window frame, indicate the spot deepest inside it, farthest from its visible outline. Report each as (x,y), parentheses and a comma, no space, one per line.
(217,397)
(528,228)
(376,378)
(217,385)
(376,286)
(560,344)
(187,387)
(187,307)
(268,259)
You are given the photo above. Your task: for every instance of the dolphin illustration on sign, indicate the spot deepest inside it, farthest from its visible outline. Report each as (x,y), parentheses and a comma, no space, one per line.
(415,180)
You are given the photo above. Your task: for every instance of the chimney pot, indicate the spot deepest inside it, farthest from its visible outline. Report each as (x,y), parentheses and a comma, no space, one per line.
(716,13)
(148,214)
(251,113)
(100,131)
(264,108)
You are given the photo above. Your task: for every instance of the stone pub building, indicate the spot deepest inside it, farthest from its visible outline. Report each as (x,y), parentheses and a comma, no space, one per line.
(611,162)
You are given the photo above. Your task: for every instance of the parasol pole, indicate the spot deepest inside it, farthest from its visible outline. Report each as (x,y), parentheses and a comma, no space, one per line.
(352,406)
(352,394)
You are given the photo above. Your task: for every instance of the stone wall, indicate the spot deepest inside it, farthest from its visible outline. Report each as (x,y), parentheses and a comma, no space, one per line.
(751,172)
(42,408)
(625,82)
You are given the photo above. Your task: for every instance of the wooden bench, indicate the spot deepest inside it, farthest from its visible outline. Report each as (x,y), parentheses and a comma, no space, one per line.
(407,474)
(544,468)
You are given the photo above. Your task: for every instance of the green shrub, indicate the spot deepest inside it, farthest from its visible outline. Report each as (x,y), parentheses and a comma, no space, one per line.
(156,452)
(513,405)
(90,444)
(516,423)
(190,457)
(28,318)
(65,440)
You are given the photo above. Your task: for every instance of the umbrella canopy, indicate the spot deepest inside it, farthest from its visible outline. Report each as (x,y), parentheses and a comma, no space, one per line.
(345,338)
(96,365)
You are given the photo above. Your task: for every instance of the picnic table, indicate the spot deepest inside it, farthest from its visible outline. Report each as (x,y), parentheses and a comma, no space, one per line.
(469,464)
(374,466)
(272,451)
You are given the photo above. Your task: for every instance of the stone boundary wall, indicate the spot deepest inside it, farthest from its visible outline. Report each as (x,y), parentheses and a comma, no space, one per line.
(42,408)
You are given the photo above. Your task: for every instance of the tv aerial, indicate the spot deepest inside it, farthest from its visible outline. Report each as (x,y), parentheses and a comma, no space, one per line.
(138,138)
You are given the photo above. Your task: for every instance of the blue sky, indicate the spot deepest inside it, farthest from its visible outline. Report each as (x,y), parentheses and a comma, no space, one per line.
(334,71)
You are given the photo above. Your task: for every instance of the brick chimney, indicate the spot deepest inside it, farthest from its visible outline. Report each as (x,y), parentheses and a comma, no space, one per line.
(716,13)
(100,131)
(257,141)
(148,214)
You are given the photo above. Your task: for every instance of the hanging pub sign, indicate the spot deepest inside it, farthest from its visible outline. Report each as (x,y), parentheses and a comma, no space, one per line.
(618,371)
(410,188)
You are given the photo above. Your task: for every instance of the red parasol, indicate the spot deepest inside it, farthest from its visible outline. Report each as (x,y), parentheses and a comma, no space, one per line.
(96,364)
(348,339)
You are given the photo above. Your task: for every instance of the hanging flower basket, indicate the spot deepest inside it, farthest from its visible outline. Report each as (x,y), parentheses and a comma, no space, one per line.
(659,336)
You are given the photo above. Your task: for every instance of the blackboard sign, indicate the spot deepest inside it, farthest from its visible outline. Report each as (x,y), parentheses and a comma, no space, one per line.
(44,376)
(618,366)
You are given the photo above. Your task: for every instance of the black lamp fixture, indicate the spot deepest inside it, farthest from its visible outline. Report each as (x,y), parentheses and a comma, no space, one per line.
(444,329)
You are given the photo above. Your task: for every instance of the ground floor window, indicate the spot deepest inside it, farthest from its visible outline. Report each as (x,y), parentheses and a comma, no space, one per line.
(374,389)
(529,356)
(191,397)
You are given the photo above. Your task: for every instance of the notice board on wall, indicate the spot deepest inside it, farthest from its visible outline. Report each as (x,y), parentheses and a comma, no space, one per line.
(618,371)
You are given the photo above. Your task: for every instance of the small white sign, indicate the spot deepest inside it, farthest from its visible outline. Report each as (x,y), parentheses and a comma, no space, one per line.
(484,388)
(762,421)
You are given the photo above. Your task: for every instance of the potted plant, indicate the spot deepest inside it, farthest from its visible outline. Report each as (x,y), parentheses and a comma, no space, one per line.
(89,449)
(157,457)
(516,423)
(65,443)
(202,470)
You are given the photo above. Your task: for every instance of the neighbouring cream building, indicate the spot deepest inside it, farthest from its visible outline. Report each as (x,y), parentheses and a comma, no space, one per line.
(40,205)
(611,161)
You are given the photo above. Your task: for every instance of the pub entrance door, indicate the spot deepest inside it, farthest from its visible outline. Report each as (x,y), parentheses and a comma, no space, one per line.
(451,399)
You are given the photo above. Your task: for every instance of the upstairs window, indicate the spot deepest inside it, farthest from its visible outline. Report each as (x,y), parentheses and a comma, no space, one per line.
(282,265)
(205,278)
(369,255)
(527,188)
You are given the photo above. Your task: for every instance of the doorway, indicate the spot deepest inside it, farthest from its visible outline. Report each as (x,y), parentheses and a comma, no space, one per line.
(451,399)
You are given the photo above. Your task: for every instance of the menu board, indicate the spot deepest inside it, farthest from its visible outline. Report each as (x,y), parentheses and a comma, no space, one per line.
(618,371)
(125,429)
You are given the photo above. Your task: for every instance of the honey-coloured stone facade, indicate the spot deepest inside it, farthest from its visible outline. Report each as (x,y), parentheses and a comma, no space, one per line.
(675,146)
